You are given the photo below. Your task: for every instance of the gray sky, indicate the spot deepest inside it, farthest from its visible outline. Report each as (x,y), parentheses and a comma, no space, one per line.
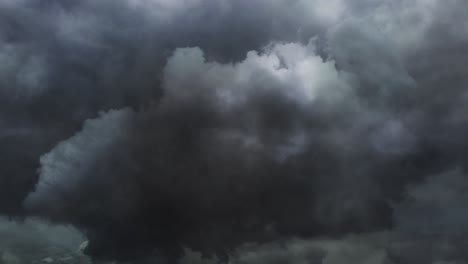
(157,125)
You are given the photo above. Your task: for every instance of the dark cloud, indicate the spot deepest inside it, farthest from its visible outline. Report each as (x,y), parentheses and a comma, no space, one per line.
(35,241)
(154,125)
(63,61)
(276,145)
(440,201)
(375,248)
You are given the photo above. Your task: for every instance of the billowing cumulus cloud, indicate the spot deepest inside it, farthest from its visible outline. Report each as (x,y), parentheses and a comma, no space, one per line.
(72,159)
(226,144)
(237,152)
(64,61)
(170,128)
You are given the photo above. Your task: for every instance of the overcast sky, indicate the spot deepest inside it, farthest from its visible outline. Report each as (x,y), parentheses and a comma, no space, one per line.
(313,128)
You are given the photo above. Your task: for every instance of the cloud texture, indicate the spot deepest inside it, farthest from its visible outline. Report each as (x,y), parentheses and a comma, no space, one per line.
(156,126)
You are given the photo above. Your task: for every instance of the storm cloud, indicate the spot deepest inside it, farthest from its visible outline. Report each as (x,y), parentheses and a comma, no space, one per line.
(165,127)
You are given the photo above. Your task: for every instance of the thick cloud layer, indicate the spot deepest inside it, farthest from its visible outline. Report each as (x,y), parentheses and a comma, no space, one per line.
(375,248)
(230,149)
(35,241)
(158,125)
(64,61)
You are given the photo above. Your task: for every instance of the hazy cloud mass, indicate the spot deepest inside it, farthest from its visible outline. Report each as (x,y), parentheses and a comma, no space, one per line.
(240,131)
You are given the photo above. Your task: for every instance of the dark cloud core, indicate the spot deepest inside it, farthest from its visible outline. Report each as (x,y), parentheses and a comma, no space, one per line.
(154,125)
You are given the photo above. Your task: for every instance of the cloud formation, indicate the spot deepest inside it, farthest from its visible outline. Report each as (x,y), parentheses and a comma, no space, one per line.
(157,125)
